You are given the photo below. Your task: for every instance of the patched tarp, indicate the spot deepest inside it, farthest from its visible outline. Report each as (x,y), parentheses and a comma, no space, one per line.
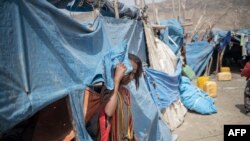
(198,55)
(46,55)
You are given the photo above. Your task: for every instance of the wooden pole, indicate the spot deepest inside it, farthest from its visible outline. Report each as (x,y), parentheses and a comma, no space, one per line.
(142,2)
(116,9)
(208,67)
(154,15)
(157,17)
(221,57)
(135,1)
(217,63)
(210,64)
(173,4)
(179,10)
(206,70)
(187,24)
(158,27)
(183,5)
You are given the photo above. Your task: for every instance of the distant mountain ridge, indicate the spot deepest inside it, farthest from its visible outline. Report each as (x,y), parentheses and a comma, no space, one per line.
(226,14)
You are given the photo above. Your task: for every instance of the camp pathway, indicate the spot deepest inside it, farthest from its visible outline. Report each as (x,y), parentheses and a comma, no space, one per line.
(229,102)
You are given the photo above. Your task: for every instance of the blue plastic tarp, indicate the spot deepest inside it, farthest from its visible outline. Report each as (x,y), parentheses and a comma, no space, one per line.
(198,55)
(106,8)
(163,88)
(172,31)
(225,41)
(195,99)
(244,31)
(219,32)
(132,31)
(45,55)
(148,124)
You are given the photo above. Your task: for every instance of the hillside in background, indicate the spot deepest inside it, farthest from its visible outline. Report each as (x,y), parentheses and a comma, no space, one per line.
(225,14)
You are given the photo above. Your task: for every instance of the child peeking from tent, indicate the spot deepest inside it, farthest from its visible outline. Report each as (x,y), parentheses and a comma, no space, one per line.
(246,73)
(115,117)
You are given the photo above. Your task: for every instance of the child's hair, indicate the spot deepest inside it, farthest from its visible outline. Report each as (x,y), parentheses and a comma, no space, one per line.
(139,68)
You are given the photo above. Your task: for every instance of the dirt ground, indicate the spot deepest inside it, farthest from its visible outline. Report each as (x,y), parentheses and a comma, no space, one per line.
(229,102)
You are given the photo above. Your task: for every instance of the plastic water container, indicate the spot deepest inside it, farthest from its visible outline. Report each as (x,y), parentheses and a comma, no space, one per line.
(201,80)
(188,71)
(211,88)
(225,69)
(224,76)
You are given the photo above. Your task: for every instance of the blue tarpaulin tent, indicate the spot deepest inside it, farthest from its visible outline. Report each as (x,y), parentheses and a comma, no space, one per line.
(163,88)
(149,124)
(198,55)
(172,35)
(45,55)
(106,7)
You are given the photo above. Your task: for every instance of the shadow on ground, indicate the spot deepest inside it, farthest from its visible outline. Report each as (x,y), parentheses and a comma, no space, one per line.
(241,107)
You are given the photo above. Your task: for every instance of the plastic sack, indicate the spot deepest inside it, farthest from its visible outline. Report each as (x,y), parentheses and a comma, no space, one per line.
(195,99)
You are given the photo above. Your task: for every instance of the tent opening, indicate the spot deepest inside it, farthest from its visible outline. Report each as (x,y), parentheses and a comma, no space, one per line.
(51,123)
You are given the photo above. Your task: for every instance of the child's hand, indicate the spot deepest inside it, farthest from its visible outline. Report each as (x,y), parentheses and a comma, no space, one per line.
(119,72)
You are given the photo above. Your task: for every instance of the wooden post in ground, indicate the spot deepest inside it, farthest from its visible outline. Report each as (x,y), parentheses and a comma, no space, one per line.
(221,57)
(210,64)
(116,9)
(218,63)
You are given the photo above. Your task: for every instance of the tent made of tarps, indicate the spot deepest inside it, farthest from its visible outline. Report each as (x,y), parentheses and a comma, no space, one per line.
(106,7)
(218,35)
(164,88)
(198,55)
(172,35)
(149,123)
(46,55)
(243,31)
